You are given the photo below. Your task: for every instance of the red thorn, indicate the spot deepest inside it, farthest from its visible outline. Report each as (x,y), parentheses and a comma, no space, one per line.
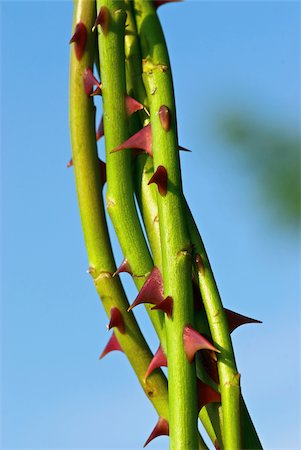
(79,38)
(151,291)
(206,395)
(100,130)
(235,320)
(158,3)
(124,267)
(102,19)
(161,429)
(165,118)
(194,341)
(97,91)
(112,345)
(116,320)
(159,360)
(132,105)
(141,140)
(70,163)
(161,179)
(103,171)
(166,306)
(89,81)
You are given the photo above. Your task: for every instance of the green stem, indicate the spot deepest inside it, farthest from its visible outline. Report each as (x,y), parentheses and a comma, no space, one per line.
(228,375)
(89,191)
(176,248)
(120,192)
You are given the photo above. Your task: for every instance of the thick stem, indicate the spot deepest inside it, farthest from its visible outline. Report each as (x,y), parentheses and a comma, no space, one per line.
(176,248)
(120,192)
(89,191)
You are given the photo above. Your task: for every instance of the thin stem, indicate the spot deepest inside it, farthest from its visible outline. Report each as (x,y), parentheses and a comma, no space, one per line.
(89,191)
(176,249)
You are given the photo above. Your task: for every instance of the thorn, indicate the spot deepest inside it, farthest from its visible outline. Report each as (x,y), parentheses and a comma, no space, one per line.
(165,118)
(183,149)
(158,3)
(103,171)
(200,264)
(132,105)
(161,429)
(141,140)
(100,130)
(89,81)
(151,291)
(116,320)
(235,320)
(112,345)
(161,179)
(159,360)
(70,163)
(206,394)
(124,267)
(102,19)
(166,306)
(194,341)
(79,39)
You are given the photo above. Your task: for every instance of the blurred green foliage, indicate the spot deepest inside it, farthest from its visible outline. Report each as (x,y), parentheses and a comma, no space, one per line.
(272,155)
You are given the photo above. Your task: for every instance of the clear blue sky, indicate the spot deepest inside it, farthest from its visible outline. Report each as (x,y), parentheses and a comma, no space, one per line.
(55,392)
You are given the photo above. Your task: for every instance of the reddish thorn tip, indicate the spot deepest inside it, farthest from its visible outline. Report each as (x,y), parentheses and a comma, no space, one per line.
(165,117)
(151,291)
(194,341)
(116,320)
(79,39)
(160,178)
(235,320)
(142,140)
(166,306)
(132,105)
(111,346)
(89,81)
(70,163)
(183,149)
(100,130)
(124,267)
(159,360)
(206,395)
(102,19)
(161,429)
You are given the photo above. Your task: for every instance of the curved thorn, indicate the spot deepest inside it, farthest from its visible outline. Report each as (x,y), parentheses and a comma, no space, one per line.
(166,306)
(111,346)
(141,140)
(79,39)
(89,81)
(161,429)
(151,291)
(159,360)
(160,178)
(206,394)
(132,105)
(194,341)
(235,320)
(116,320)
(102,19)
(124,267)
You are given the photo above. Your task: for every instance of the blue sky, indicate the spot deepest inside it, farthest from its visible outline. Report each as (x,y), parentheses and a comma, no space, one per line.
(55,393)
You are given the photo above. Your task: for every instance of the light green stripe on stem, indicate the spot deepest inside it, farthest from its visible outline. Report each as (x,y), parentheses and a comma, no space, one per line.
(175,242)
(120,192)
(89,191)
